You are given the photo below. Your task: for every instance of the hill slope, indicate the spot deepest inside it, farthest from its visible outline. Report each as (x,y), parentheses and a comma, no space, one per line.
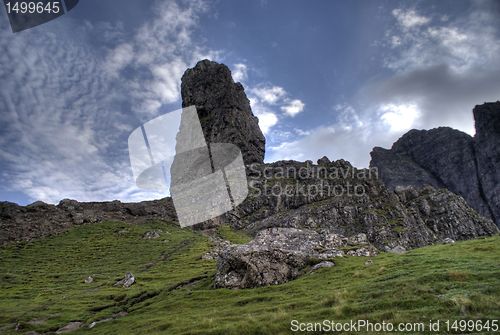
(42,285)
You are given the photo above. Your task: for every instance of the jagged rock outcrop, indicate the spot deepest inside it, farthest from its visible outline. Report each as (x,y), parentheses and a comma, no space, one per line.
(223,108)
(25,223)
(278,255)
(487,149)
(447,158)
(441,157)
(338,198)
(295,208)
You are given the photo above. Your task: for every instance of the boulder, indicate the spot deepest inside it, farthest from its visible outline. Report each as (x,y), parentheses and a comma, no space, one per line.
(127,281)
(277,255)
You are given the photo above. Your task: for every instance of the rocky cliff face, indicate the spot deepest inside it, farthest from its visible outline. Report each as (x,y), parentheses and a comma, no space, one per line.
(448,158)
(338,198)
(301,212)
(487,149)
(223,108)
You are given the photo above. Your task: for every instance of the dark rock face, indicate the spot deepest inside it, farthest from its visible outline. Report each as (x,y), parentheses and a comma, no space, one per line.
(448,158)
(487,148)
(223,109)
(278,255)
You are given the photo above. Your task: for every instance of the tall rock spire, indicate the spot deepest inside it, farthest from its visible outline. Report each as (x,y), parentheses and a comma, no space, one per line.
(223,108)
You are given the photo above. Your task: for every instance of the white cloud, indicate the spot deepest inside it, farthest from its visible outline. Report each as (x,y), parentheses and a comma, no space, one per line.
(267,120)
(399,117)
(269,94)
(293,107)
(409,18)
(267,101)
(239,72)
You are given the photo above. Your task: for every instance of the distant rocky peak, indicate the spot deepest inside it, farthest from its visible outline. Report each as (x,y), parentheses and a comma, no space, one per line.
(448,158)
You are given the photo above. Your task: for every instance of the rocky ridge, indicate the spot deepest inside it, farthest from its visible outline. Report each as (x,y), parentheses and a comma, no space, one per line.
(26,223)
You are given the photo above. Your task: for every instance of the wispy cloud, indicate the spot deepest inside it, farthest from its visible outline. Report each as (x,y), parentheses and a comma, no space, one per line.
(270,103)
(69,105)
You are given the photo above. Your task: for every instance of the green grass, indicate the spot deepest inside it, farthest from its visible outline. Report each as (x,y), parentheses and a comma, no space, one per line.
(234,236)
(42,288)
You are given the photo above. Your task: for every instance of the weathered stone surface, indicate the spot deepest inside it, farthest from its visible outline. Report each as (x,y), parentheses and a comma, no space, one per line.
(223,108)
(278,255)
(487,148)
(448,241)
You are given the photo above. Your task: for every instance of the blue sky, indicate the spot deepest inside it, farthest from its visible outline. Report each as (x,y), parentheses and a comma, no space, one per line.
(331,78)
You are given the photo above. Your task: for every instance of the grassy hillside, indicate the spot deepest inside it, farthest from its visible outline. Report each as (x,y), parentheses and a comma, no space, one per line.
(42,285)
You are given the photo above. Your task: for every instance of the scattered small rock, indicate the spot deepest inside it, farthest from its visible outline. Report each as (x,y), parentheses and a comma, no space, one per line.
(95,323)
(123,232)
(448,241)
(368,262)
(363,252)
(127,281)
(70,327)
(153,234)
(324,264)
(89,280)
(396,250)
